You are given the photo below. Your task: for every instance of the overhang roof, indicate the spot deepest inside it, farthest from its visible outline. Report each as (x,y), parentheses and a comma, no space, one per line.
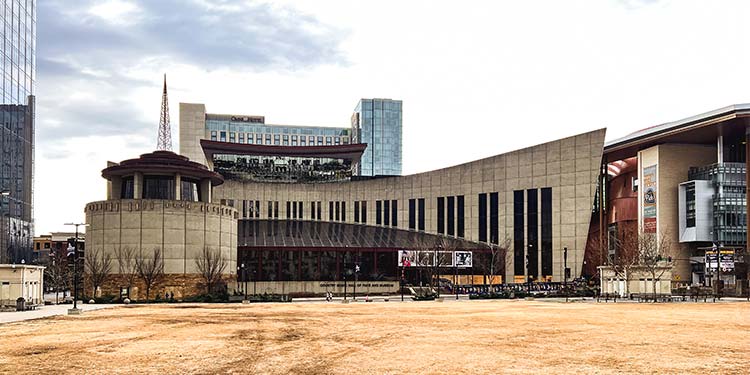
(698,129)
(351,152)
(162,162)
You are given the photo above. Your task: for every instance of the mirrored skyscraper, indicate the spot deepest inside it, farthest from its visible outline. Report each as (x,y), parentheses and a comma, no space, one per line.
(377,122)
(18,35)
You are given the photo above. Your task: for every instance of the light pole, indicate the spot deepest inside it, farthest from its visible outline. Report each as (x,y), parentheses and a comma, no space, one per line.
(455,275)
(74,310)
(565,271)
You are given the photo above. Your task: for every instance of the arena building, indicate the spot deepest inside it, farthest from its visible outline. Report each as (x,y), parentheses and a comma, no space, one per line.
(684,181)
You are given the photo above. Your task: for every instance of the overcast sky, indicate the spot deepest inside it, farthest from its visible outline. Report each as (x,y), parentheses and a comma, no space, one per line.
(477,78)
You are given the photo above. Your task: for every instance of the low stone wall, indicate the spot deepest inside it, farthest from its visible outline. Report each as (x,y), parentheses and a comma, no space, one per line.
(181,285)
(315,288)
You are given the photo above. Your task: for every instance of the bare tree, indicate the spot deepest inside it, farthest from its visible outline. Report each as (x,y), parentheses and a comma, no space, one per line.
(150,269)
(57,271)
(655,256)
(126,265)
(626,256)
(493,262)
(443,249)
(211,265)
(98,265)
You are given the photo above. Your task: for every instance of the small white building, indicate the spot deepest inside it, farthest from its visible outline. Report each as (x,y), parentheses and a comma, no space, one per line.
(638,280)
(21,280)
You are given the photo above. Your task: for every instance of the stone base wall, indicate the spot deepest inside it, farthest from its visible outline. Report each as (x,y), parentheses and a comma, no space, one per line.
(315,288)
(182,285)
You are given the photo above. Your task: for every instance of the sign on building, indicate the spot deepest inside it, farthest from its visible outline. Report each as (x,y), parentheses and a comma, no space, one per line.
(727,260)
(464,259)
(649,199)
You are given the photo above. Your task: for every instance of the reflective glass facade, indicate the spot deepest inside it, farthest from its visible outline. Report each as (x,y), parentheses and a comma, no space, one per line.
(18,64)
(377,122)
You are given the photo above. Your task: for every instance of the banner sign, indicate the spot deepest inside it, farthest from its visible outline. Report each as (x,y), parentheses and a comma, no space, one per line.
(448,259)
(463,259)
(649,199)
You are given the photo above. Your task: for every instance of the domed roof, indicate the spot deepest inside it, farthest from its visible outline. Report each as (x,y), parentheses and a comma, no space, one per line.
(162,163)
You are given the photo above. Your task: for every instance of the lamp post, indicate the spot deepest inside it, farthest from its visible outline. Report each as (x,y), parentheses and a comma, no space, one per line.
(74,310)
(455,275)
(565,271)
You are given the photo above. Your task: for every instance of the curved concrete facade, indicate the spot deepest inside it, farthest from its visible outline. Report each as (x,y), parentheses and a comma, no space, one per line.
(146,210)
(181,229)
(569,167)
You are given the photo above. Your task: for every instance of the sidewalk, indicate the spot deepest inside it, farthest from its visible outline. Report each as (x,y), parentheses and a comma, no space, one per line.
(46,311)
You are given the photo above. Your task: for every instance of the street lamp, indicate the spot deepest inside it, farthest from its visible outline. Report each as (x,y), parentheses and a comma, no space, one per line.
(74,310)
(565,266)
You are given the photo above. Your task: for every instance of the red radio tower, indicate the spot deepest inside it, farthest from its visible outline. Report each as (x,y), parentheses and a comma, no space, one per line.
(165,133)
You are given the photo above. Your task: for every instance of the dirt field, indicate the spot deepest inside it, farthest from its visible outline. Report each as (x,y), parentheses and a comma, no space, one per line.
(387,338)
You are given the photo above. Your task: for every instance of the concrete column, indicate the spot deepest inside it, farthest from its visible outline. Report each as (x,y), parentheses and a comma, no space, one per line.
(206,190)
(138,185)
(177,186)
(114,188)
(720,149)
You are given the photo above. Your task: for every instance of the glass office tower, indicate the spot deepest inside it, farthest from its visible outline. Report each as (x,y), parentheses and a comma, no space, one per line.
(377,122)
(17,132)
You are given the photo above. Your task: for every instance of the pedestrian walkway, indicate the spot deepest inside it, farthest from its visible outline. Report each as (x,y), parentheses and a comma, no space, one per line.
(46,311)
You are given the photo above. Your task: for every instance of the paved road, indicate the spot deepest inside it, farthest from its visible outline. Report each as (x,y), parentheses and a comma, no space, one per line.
(45,311)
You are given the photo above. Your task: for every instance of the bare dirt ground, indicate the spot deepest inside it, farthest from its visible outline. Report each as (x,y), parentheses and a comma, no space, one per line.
(387,338)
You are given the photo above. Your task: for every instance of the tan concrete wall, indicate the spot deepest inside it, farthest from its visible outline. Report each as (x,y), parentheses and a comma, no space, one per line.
(569,166)
(192,130)
(679,158)
(181,229)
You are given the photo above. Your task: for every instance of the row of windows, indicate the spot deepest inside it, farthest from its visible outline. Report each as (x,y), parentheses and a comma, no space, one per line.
(416,214)
(455,213)
(386,212)
(256,125)
(360,211)
(336,211)
(276,139)
(529,246)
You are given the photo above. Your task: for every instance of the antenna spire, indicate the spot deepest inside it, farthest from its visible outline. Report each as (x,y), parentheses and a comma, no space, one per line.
(165,133)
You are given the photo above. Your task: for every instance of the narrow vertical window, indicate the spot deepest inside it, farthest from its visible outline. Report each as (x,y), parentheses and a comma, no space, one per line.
(356,211)
(547,232)
(420,214)
(320,210)
(343,211)
(518,240)
(460,216)
(483,217)
(330,211)
(441,215)
(532,235)
(451,216)
(394,213)
(412,214)
(386,212)
(364,212)
(288,209)
(378,213)
(493,218)
(338,208)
